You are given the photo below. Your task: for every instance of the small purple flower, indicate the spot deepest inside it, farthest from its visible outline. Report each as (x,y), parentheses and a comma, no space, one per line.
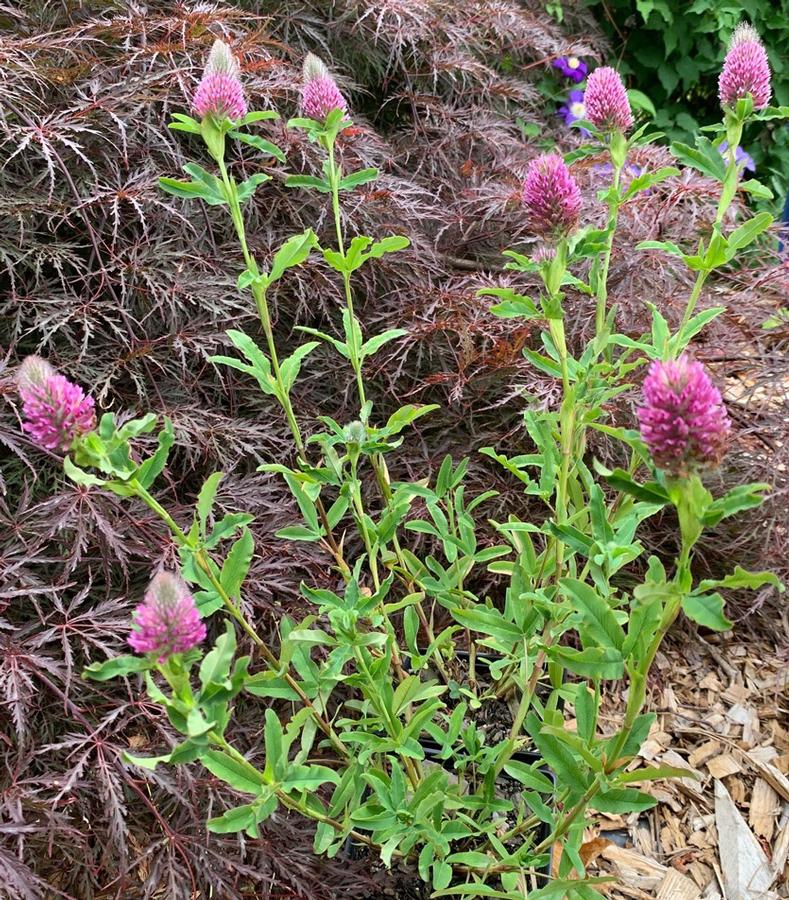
(56,410)
(573,109)
(220,93)
(607,105)
(551,196)
(743,159)
(745,70)
(319,92)
(571,67)
(167,621)
(683,421)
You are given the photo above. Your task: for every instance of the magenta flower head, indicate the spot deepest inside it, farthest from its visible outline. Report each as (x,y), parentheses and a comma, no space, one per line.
(605,98)
(220,93)
(551,196)
(56,411)
(745,70)
(571,67)
(319,92)
(683,420)
(167,621)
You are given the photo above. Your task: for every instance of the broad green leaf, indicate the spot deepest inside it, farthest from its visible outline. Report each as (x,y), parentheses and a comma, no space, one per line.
(236,565)
(707,610)
(115,667)
(622,800)
(215,667)
(356,179)
(205,499)
(597,614)
(529,775)
(243,776)
(593,662)
(749,231)
(293,252)
(259,143)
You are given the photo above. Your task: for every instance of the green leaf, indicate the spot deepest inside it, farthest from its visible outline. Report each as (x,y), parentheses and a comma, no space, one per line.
(529,775)
(406,415)
(558,756)
(375,343)
(259,143)
(489,621)
(756,189)
(152,467)
(205,499)
(246,189)
(236,564)
(79,476)
(749,231)
(290,367)
(293,252)
(227,526)
(741,578)
(622,800)
(308,181)
(237,819)
(744,496)
(191,190)
(215,667)
(276,759)
(707,610)
(356,179)
(597,614)
(242,776)
(704,157)
(647,180)
(308,778)
(593,662)
(115,667)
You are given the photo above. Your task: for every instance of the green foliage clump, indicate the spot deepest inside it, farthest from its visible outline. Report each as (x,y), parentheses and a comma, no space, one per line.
(673,50)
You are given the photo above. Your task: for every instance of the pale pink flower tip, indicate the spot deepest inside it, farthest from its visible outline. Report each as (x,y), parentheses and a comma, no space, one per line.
(220,95)
(551,196)
(319,92)
(606,102)
(683,421)
(56,411)
(745,70)
(167,621)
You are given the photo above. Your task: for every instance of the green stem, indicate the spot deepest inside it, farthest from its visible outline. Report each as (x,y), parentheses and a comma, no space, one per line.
(261,302)
(602,282)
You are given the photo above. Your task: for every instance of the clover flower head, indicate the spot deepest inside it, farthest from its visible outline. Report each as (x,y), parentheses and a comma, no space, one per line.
(55,410)
(746,70)
(220,96)
(551,196)
(743,159)
(683,420)
(607,105)
(167,621)
(220,93)
(571,67)
(319,92)
(222,61)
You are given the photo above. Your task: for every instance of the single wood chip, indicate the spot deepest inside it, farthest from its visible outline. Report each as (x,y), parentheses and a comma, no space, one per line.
(677,887)
(747,873)
(723,765)
(635,869)
(704,752)
(770,773)
(765,808)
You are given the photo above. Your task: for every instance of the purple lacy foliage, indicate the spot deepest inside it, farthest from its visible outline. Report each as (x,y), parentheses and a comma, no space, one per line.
(683,420)
(746,70)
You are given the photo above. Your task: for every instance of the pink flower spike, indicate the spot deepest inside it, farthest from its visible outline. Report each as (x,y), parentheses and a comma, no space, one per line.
(551,196)
(319,93)
(220,96)
(55,409)
(746,70)
(167,621)
(683,421)
(605,98)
